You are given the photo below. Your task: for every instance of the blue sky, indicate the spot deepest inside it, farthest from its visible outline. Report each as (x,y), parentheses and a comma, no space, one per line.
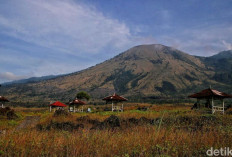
(50,37)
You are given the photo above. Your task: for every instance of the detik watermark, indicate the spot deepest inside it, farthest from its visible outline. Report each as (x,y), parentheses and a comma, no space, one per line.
(219,152)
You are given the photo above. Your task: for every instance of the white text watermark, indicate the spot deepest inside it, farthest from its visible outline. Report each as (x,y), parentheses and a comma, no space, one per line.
(226,151)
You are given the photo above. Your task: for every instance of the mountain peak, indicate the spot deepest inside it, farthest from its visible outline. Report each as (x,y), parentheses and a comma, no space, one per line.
(223,54)
(157,53)
(142,71)
(157,47)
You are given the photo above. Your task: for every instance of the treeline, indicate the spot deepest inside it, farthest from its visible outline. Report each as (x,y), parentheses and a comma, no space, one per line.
(27,104)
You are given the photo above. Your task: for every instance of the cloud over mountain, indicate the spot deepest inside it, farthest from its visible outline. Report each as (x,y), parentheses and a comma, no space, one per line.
(10,76)
(63,25)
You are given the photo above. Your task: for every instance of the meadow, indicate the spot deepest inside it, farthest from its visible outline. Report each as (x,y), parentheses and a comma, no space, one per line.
(161,130)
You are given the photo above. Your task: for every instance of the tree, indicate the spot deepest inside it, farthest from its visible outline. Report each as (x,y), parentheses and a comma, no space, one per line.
(83,95)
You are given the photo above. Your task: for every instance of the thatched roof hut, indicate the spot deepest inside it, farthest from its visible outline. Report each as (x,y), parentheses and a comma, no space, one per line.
(75,104)
(115,99)
(3,99)
(210,95)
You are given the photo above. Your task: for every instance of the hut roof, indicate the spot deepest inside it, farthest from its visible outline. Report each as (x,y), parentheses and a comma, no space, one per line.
(209,93)
(77,102)
(114,97)
(58,104)
(2,99)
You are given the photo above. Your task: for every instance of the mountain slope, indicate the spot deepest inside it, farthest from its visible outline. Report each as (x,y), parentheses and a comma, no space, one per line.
(222,65)
(31,80)
(224,54)
(142,71)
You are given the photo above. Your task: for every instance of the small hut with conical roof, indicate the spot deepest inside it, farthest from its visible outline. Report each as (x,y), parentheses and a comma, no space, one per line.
(2,100)
(211,95)
(74,104)
(114,100)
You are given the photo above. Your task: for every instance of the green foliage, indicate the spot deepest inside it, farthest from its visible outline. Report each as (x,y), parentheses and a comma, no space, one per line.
(12,123)
(223,77)
(190,78)
(1,152)
(83,95)
(135,81)
(167,87)
(121,80)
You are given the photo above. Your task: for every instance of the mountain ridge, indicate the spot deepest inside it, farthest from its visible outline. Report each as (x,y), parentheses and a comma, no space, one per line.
(223,54)
(31,79)
(141,71)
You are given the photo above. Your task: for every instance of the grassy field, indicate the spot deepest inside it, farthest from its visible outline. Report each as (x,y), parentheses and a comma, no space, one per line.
(167,130)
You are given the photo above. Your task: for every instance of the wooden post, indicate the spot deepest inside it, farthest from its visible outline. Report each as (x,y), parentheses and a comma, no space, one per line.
(198,103)
(122,108)
(82,109)
(74,108)
(50,108)
(223,105)
(2,106)
(212,106)
(112,106)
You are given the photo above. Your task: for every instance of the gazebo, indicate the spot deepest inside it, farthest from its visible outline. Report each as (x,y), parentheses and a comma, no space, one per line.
(210,95)
(115,99)
(74,104)
(3,99)
(57,105)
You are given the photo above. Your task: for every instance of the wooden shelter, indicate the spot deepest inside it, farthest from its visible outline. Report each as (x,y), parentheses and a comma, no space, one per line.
(57,106)
(210,95)
(3,99)
(115,99)
(74,104)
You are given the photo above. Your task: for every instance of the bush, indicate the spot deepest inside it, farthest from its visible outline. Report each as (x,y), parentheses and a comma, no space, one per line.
(11,115)
(61,113)
(8,112)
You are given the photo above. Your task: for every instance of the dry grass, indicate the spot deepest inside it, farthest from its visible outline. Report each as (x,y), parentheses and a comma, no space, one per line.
(172,136)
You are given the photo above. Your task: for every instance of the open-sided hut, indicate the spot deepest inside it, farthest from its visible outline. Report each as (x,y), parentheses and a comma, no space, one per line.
(115,99)
(57,106)
(210,95)
(2,100)
(74,104)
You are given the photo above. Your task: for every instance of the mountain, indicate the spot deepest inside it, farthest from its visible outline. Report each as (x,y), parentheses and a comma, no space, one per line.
(223,54)
(145,71)
(222,65)
(31,80)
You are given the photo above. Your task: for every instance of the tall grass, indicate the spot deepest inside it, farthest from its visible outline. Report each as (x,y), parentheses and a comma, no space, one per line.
(138,141)
(172,136)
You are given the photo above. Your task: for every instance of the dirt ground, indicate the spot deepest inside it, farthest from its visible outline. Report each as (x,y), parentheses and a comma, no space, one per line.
(29,121)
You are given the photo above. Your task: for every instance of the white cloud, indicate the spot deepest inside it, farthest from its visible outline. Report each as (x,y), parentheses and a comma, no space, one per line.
(64,25)
(227,45)
(202,41)
(8,76)
(56,68)
(63,29)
